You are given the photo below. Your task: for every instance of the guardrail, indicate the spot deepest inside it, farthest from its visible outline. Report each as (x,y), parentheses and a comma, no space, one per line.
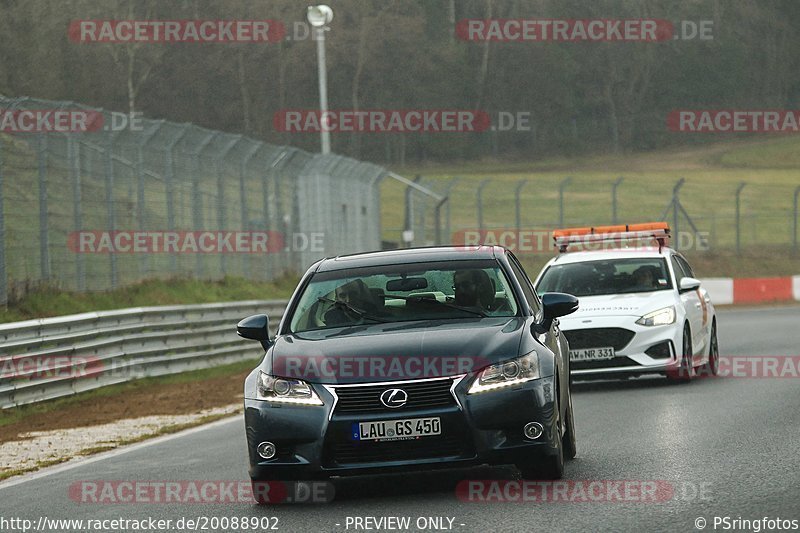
(53,357)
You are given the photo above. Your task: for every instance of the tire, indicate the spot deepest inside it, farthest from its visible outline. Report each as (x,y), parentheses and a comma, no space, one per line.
(712,366)
(684,372)
(568,441)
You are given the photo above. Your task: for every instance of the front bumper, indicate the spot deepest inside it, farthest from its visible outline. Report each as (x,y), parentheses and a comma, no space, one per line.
(633,358)
(484,428)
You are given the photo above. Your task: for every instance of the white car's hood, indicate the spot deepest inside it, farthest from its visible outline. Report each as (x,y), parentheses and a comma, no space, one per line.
(632,304)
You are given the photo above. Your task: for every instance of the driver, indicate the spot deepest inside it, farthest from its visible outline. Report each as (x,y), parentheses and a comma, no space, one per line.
(354,294)
(473,288)
(643,278)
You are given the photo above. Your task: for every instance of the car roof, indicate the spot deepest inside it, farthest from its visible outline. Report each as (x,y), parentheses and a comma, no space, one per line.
(605,255)
(409,255)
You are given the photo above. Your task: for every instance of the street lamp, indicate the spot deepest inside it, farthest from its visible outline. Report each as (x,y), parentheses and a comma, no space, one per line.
(318,17)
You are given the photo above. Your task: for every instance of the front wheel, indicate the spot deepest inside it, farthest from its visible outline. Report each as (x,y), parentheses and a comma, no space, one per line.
(684,372)
(568,441)
(712,366)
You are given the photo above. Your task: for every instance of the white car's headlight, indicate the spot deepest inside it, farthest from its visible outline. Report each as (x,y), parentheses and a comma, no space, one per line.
(283,390)
(506,374)
(661,317)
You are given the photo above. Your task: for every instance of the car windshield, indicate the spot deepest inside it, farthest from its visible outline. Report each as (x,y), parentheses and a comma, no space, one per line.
(400,293)
(614,276)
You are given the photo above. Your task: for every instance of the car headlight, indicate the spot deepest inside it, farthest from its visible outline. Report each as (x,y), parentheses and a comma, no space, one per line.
(661,317)
(283,390)
(508,373)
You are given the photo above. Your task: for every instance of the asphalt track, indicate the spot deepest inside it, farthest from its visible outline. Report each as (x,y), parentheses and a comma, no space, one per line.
(727,447)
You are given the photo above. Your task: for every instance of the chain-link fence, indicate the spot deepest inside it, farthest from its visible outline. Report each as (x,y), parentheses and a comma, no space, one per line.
(92,200)
(707,215)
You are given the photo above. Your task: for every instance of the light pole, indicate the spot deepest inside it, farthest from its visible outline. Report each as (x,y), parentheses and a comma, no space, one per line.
(318,17)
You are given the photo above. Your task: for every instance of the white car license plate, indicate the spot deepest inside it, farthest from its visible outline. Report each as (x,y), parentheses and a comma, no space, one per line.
(408,428)
(592,354)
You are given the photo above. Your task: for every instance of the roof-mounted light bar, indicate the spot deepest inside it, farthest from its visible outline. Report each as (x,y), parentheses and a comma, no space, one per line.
(649,230)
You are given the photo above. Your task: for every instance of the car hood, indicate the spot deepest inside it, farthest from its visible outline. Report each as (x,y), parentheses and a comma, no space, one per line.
(632,304)
(395,351)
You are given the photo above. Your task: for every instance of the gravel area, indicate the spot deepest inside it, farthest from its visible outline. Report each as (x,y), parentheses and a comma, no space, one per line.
(36,448)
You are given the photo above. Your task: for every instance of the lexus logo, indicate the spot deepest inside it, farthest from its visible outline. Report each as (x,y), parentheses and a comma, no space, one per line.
(394,398)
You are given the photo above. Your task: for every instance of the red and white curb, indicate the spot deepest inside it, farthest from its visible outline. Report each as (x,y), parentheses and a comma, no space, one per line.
(725,291)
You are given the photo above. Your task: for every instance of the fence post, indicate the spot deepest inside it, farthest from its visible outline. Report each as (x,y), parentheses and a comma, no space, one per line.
(73,150)
(517,205)
(794,225)
(738,217)
(252,151)
(480,202)
(110,207)
(561,186)
(614,199)
(197,199)
(140,196)
(676,205)
(44,241)
(409,215)
(169,175)
(3,278)
(221,194)
(447,189)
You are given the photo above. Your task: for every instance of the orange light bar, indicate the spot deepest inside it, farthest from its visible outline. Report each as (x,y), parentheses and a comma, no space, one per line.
(656,230)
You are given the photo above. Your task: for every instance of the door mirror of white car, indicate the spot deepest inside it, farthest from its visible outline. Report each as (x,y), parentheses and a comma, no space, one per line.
(689,284)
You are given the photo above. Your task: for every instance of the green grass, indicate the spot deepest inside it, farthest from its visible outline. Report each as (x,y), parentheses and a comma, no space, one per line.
(10,416)
(770,167)
(47,301)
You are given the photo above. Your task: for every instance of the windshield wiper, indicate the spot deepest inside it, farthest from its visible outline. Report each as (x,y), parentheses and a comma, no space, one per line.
(438,302)
(359,312)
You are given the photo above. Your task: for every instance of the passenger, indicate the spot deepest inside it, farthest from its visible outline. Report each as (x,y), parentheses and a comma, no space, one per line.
(473,288)
(643,279)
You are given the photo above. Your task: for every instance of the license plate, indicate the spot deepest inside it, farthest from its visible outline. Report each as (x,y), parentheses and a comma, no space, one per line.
(592,354)
(409,428)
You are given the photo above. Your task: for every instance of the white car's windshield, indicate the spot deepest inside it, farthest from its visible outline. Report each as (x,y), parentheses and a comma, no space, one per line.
(397,293)
(613,276)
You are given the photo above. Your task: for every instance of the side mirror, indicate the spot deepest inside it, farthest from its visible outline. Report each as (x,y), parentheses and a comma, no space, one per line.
(558,304)
(255,328)
(689,284)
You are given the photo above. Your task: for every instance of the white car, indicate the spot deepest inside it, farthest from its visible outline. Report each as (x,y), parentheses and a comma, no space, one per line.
(641,311)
